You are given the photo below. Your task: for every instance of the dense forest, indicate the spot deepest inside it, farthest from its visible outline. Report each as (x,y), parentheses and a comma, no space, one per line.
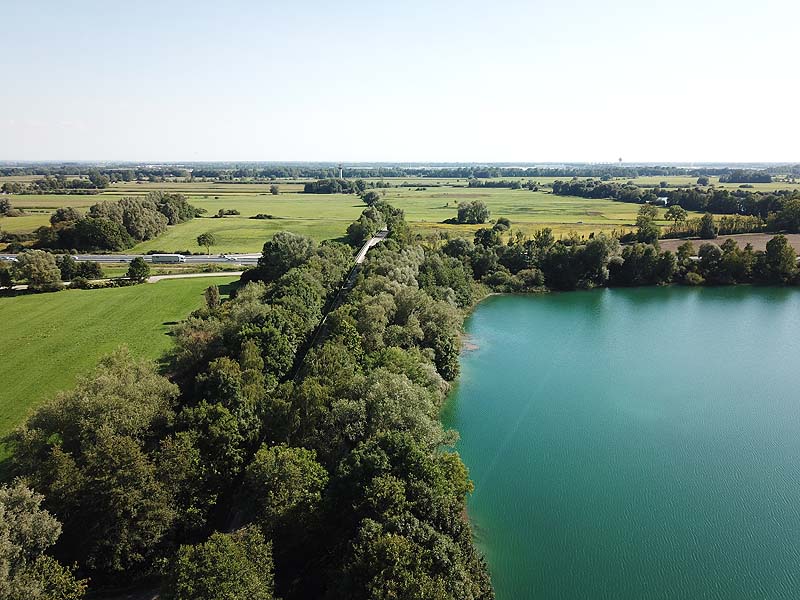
(293,447)
(322,467)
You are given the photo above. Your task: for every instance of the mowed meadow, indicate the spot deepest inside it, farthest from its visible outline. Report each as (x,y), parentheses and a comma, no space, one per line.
(427,204)
(52,338)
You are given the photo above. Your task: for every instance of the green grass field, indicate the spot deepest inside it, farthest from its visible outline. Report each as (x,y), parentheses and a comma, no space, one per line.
(327,216)
(49,339)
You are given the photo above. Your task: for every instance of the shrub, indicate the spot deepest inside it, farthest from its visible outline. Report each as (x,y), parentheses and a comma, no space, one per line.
(81,283)
(138,270)
(692,278)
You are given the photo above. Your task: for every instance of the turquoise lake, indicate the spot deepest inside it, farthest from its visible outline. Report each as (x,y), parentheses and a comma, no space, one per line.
(635,444)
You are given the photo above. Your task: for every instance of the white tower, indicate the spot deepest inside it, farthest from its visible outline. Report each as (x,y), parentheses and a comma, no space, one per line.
(340,171)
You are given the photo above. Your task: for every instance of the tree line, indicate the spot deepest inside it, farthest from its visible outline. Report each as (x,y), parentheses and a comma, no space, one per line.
(746,176)
(59,184)
(44,272)
(779,210)
(336,185)
(236,171)
(115,225)
(541,262)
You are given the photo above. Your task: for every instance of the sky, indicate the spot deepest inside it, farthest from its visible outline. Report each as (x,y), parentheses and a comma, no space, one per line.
(412,81)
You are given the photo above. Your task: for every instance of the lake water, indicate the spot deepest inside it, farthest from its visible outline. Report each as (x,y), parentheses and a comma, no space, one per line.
(635,444)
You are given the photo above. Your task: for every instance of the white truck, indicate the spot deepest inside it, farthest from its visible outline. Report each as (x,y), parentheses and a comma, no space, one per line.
(167,258)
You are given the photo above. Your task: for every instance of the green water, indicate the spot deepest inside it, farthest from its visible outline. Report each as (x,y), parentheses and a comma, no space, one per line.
(635,444)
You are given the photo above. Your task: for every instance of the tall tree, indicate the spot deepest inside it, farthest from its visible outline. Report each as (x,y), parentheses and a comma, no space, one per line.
(677,214)
(647,230)
(91,452)
(26,531)
(138,270)
(708,228)
(780,260)
(207,239)
(475,212)
(40,270)
(229,566)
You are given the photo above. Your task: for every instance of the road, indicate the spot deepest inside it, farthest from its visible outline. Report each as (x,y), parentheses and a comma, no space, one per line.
(376,239)
(228,259)
(243,259)
(153,278)
(156,278)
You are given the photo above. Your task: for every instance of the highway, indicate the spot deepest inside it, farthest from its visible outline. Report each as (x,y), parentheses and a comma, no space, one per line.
(231,259)
(195,259)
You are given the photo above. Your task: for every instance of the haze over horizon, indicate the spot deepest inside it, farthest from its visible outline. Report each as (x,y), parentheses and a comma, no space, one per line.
(574,81)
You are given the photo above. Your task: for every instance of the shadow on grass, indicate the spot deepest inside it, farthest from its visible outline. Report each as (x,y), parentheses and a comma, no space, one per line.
(5,464)
(15,293)
(229,289)
(341,239)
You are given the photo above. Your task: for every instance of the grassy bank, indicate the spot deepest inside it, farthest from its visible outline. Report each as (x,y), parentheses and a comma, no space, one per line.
(48,339)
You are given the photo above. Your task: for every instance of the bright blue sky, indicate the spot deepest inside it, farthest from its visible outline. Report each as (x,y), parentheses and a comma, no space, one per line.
(565,80)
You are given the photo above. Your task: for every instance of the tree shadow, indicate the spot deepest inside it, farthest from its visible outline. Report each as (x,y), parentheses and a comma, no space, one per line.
(229,289)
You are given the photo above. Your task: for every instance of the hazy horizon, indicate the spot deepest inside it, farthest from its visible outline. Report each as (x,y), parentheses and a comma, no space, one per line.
(702,81)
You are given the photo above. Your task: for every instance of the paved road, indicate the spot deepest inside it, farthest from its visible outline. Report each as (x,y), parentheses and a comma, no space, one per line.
(155,278)
(376,239)
(229,259)
(244,259)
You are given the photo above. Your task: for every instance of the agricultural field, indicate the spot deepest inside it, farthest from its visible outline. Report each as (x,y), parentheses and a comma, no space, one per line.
(757,240)
(52,338)
(528,211)
(323,216)
(25,223)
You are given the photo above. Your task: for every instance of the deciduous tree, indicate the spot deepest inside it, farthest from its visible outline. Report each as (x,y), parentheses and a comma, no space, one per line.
(207,240)
(138,270)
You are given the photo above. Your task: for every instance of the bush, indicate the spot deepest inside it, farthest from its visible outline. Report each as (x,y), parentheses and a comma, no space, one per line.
(90,270)
(502,224)
(692,278)
(81,283)
(225,212)
(138,270)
